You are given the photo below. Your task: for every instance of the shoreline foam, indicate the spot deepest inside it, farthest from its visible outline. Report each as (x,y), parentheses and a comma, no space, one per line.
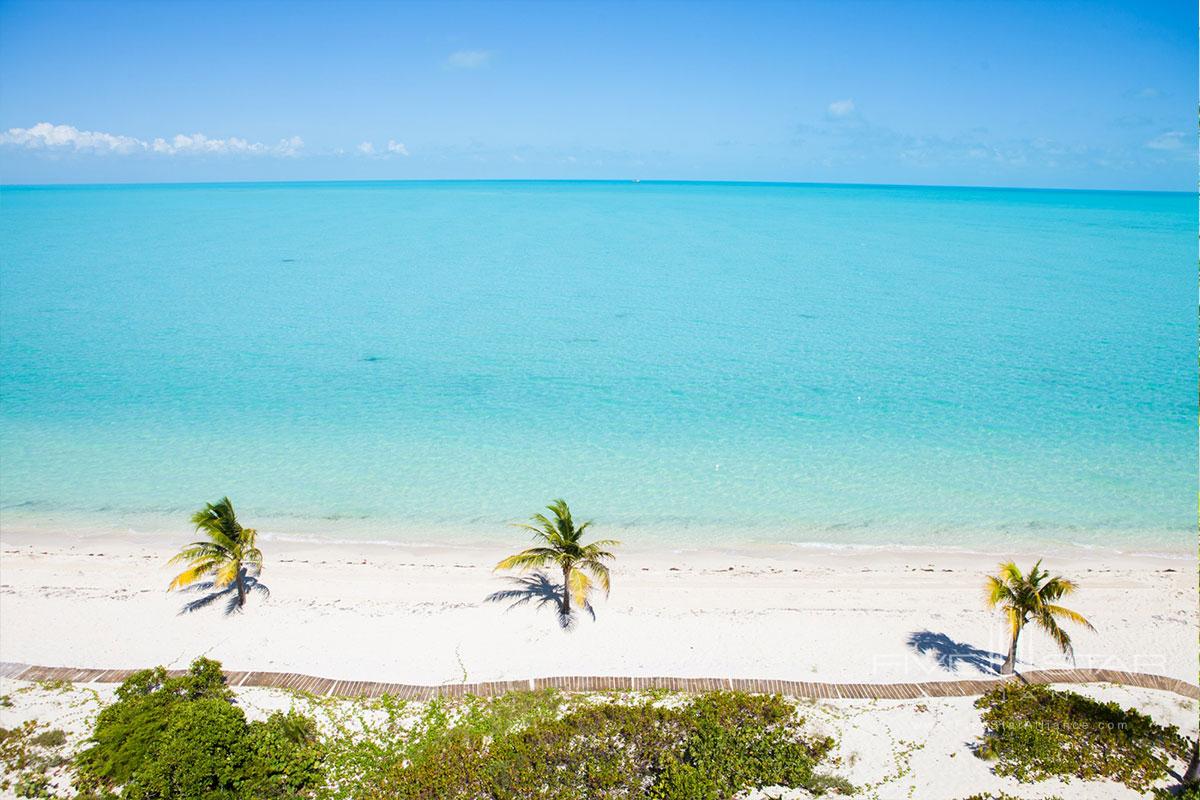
(998,543)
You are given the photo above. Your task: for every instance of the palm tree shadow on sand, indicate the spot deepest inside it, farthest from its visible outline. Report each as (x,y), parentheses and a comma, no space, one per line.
(227,593)
(949,654)
(537,589)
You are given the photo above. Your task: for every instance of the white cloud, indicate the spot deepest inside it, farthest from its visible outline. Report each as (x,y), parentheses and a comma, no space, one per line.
(55,137)
(1171,140)
(841,108)
(392,148)
(45,136)
(469,59)
(290,147)
(199,144)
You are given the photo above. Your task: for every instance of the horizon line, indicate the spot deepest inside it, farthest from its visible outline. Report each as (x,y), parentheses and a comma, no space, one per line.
(781,183)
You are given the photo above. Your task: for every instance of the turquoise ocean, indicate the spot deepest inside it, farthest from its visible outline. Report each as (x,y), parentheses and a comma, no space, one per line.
(689,364)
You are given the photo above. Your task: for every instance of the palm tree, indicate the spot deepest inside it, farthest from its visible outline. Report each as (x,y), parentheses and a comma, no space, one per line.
(559,545)
(1032,598)
(229,554)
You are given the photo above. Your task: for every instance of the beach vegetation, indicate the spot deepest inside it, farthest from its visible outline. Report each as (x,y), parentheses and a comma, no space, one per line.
(1192,774)
(1186,791)
(1005,796)
(365,739)
(1033,733)
(559,545)
(228,556)
(714,746)
(30,754)
(181,736)
(1032,598)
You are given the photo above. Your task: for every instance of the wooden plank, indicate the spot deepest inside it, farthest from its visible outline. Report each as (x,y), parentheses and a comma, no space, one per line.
(603,683)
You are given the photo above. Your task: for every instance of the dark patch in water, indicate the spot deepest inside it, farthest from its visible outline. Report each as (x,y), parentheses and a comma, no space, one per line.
(373,359)
(288,260)
(583,341)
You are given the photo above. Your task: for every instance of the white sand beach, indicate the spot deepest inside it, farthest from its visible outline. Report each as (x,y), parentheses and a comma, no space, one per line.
(421,614)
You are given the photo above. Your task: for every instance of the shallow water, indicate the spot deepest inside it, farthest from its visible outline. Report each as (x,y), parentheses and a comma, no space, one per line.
(689,361)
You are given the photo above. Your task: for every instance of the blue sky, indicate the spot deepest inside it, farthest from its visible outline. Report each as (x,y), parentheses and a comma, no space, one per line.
(1087,95)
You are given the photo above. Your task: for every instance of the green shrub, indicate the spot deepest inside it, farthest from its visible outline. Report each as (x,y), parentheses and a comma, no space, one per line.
(749,740)
(128,731)
(1034,733)
(1189,792)
(197,757)
(181,738)
(283,758)
(366,738)
(708,749)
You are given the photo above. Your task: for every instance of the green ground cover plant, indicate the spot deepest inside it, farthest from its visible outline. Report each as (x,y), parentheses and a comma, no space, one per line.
(1034,733)
(27,754)
(710,748)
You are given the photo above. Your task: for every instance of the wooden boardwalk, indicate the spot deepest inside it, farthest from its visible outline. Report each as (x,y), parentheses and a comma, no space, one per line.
(604,683)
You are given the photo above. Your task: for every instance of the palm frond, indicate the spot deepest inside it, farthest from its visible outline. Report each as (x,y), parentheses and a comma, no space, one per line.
(579,585)
(597,550)
(996,591)
(190,576)
(1016,619)
(1010,573)
(252,560)
(529,559)
(597,571)
(198,550)
(539,534)
(1066,613)
(1048,624)
(227,574)
(1058,587)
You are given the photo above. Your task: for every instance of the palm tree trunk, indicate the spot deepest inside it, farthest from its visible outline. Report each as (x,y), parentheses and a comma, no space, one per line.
(566,601)
(1193,771)
(241,587)
(1010,663)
